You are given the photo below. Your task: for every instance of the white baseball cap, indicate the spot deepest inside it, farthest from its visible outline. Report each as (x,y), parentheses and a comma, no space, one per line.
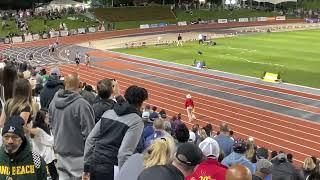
(210,147)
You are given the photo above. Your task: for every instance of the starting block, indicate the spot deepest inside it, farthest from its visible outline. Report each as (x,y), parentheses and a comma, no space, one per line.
(271,77)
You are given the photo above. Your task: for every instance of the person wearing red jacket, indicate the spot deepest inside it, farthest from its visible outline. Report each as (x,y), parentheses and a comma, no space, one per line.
(190,108)
(210,169)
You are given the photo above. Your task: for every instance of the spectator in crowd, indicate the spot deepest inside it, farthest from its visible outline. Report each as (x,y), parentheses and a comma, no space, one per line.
(225,142)
(308,167)
(154,115)
(9,76)
(238,156)
(16,155)
(263,169)
(160,152)
(210,168)
(146,113)
(167,127)
(159,132)
(87,94)
(251,151)
(51,87)
(39,85)
(72,119)
(187,157)
(43,141)
(108,95)
(176,121)
(115,137)
(315,160)
(20,104)
(273,154)
(283,169)
(189,105)
(181,134)
(238,172)
(192,137)
(315,174)
(202,136)
(290,158)
(231,135)
(195,128)
(209,129)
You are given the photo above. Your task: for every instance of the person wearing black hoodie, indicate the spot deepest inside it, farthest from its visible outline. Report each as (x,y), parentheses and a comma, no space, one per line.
(108,90)
(51,87)
(115,137)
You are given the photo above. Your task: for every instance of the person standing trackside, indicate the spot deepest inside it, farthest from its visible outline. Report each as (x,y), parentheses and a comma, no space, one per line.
(179,40)
(77,59)
(189,105)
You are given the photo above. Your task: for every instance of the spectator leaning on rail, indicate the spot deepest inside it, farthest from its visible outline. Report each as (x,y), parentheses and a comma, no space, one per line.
(115,137)
(17,161)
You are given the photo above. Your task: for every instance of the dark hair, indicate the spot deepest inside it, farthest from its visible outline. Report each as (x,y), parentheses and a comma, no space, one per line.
(315,174)
(182,133)
(290,157)
(40,121)
(154,108)
(208,128)
(274,154)
(314,159)
(9,76)
(195,128)
(231,133)
(104,88)
(88,88)
(136,95)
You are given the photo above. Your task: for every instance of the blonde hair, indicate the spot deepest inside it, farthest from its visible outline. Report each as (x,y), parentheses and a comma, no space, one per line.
(250,152)
(202,134)
(160,152)
(308,164)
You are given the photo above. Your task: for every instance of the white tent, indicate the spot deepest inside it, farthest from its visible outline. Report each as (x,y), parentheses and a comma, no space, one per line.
(276,1)
(59,4)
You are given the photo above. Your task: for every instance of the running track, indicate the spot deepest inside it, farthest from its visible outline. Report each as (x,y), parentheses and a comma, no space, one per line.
(270,129)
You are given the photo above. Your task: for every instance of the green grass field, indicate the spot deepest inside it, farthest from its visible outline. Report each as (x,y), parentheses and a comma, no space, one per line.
(295,55)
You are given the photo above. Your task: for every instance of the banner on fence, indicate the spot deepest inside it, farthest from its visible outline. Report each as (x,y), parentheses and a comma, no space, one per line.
(222,21)
(81,31)
(17,39)
(280,18)
(163,24)
(35,37)
(28,38)
(312,20)
(64,33)
(92,29)
(182,23)
(232,20)
(243,19)
(154,25)
(271,18)
(253,19)
(262,19)
(144,26)
(45,36)
(54,34)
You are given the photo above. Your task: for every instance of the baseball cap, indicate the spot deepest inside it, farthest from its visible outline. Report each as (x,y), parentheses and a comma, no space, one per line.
(55,71)
(264,166)
(210,147)
(14,125)
(189,154)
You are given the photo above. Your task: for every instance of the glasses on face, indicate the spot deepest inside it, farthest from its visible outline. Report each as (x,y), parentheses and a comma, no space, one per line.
(6,137)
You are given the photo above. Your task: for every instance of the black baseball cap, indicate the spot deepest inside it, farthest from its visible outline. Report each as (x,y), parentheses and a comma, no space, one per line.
(190,154)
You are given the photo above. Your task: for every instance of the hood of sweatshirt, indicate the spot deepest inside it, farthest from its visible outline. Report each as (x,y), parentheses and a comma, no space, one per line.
(125,108)
(65,97)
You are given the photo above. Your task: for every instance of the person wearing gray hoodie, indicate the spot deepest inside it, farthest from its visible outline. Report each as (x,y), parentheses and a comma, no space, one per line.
(72,119)
(115,137)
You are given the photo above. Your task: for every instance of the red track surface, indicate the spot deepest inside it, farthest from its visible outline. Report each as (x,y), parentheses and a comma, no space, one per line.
(272,130)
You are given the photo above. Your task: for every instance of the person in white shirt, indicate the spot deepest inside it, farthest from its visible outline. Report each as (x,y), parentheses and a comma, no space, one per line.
(200,38)
(43,141)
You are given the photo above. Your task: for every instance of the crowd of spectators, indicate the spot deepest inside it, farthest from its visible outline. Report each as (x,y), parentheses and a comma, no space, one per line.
(58,127)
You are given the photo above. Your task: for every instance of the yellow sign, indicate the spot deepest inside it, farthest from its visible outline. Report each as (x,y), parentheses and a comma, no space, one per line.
(271,77)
